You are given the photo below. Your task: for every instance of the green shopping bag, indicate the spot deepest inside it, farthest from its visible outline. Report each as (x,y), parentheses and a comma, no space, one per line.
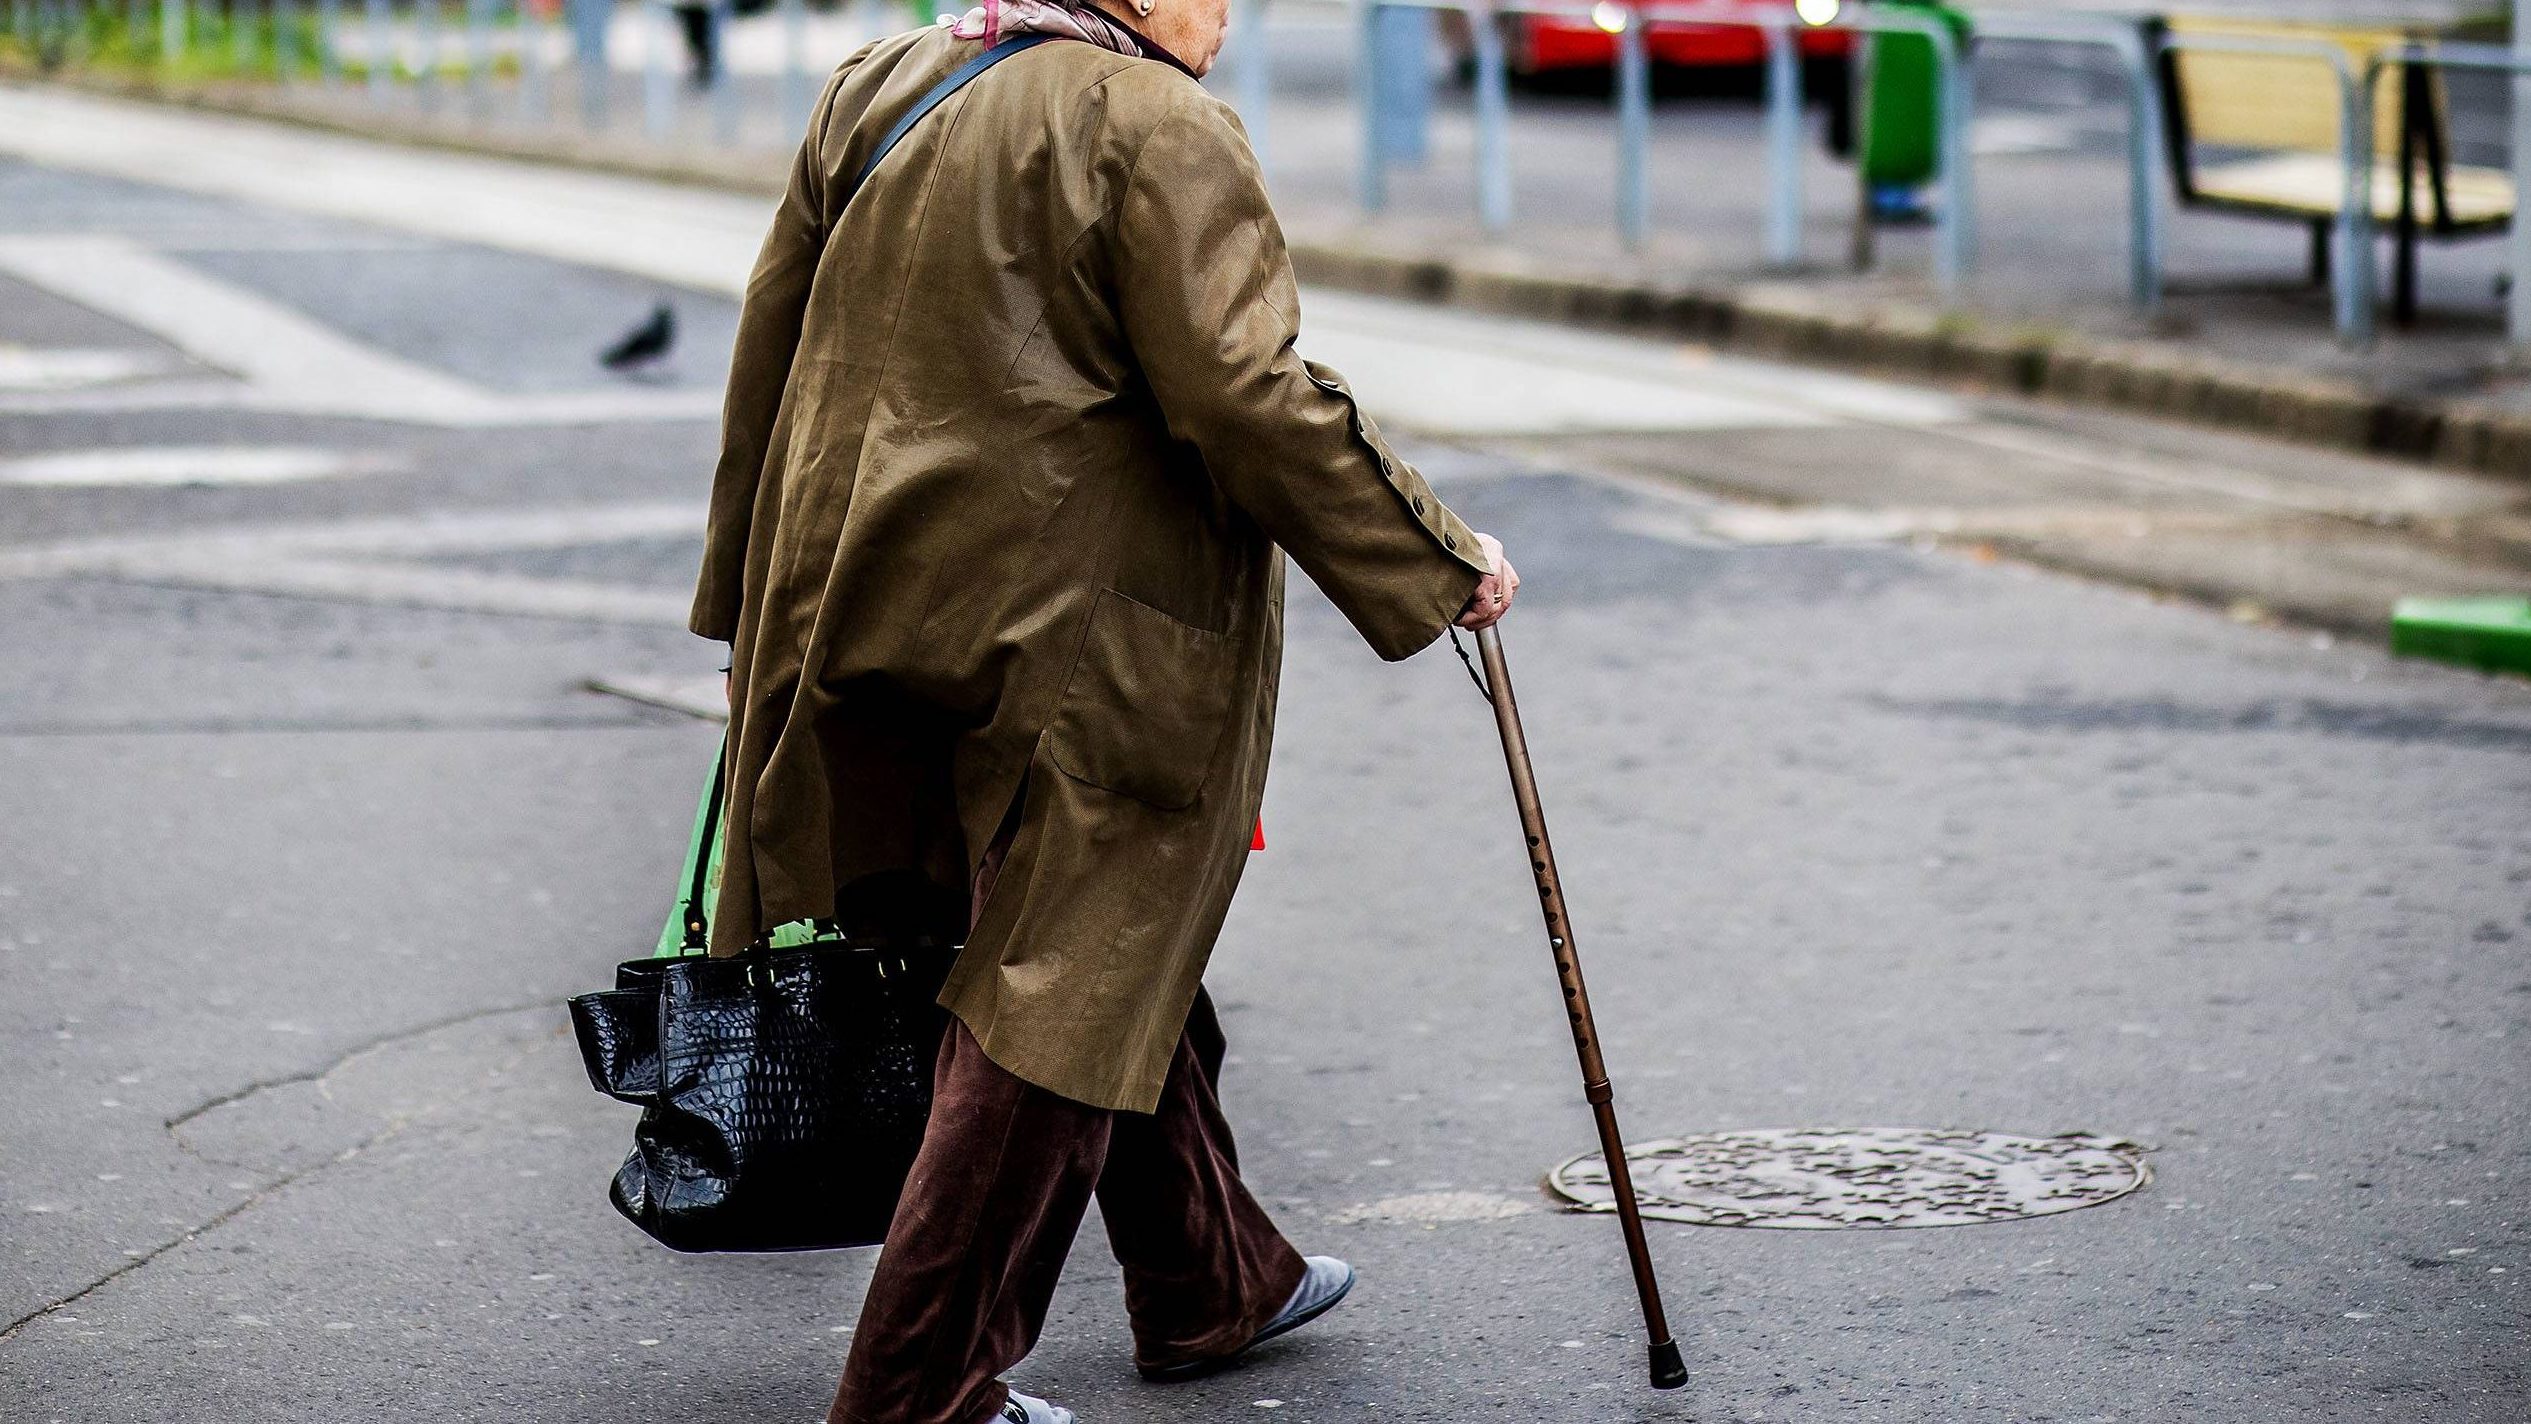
(689,926)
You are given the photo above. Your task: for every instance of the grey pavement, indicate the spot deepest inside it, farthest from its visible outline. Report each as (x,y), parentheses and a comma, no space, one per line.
(1864,820)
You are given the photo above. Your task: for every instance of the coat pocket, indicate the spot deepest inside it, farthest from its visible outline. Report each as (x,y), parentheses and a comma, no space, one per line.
(1146,704)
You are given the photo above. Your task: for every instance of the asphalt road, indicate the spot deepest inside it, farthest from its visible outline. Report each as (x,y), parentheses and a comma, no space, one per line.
(313,823)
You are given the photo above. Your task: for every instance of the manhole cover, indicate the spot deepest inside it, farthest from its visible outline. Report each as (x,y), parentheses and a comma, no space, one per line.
(1873,1176)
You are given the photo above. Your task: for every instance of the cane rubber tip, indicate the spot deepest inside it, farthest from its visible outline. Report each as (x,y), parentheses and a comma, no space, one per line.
(1668,1370)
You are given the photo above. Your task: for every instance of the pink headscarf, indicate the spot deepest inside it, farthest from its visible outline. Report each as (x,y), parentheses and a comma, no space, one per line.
(993,19)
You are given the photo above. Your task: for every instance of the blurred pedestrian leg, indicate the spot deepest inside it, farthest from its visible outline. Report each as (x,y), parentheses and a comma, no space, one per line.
(695,22)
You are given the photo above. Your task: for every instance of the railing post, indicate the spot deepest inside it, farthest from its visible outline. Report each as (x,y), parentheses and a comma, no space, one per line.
(2352,289)
(426,51)
(171,32)
(589,22)
(535,98)
(2144,157)
(479,58)
(1493,122)
(1783,144)
(1254,72)
(2518,241)
(725,95)
(329,40)
(659,96)
(381,48)
(1956,220)
(1372,182)
(795,61)
(1634,130)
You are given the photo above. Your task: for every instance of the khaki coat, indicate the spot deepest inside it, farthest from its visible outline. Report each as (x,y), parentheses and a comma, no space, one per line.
(1010,448)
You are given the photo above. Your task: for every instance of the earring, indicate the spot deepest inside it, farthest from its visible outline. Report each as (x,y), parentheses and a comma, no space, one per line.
(1143,7)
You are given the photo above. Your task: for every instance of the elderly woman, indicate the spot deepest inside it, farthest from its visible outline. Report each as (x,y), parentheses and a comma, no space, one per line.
(1015,441)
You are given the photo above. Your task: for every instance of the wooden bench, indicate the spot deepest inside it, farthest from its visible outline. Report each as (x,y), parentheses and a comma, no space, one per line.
(2272,122)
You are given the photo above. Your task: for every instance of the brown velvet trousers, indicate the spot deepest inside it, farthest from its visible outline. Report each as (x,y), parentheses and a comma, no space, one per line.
(990,1209)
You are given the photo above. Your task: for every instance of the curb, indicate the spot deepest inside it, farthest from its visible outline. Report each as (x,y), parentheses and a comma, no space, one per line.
(1790,324)
(1769,320)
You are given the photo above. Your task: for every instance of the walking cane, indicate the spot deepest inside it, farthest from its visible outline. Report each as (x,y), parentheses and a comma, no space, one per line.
(1668,1371)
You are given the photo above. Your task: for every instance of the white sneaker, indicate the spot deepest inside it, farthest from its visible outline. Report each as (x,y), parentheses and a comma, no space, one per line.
(1029,1409)
(1325,1282)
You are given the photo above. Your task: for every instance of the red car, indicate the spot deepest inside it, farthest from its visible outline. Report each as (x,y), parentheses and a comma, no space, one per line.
(1541,44)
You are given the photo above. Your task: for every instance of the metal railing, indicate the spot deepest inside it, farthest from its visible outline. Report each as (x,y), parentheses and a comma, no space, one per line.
(2145,128)
(2361,163)
(1954,224)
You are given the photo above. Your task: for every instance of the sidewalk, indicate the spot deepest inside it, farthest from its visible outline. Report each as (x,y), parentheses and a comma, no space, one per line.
(2242,341)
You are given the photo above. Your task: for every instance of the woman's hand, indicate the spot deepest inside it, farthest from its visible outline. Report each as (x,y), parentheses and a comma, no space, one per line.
(1493,596)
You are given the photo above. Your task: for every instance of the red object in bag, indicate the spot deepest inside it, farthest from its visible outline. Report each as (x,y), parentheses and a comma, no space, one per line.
(1259,842)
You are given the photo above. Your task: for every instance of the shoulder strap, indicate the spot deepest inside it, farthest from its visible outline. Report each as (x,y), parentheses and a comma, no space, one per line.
(951,84)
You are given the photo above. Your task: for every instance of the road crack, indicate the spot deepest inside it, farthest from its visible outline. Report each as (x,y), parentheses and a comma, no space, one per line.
(394,1125)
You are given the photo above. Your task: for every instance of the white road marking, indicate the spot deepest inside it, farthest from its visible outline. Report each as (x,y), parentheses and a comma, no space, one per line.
(64,368)
(189,465)
(415,586)
(490,411)
(284,359)
(685,236)
(1447,390)
(1452,372)
(1995,135)
(264,343)
(1847,524)
(2368,493)
(366,561)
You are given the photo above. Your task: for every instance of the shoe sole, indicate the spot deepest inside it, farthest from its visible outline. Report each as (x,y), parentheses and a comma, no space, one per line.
(1196,1369)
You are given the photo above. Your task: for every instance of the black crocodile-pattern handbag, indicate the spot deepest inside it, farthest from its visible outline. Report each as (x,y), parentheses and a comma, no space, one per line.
(783,1090)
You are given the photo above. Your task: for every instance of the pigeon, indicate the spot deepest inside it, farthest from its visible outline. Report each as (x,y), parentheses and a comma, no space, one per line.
(645,348)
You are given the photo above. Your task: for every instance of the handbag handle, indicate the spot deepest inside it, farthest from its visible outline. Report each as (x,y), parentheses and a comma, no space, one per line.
(707,837)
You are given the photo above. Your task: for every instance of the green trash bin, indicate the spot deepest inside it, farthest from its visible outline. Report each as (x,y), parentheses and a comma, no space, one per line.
(1902,125)
(2489,633)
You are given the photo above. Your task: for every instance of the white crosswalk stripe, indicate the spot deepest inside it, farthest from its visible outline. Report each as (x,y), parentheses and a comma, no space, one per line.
(371,561)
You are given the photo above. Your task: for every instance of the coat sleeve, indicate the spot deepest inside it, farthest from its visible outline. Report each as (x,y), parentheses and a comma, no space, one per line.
(1205,291)
(769,320)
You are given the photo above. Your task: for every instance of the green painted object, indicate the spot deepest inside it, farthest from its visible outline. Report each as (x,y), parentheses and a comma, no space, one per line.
(2489,633)
(1901,129)
(706,842)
